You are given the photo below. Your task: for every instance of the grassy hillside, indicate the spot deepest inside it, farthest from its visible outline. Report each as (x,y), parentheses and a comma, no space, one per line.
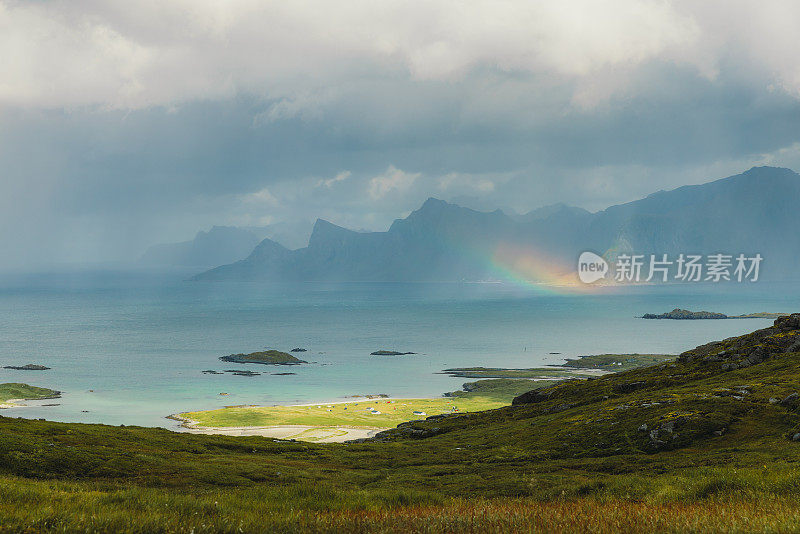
(702,443)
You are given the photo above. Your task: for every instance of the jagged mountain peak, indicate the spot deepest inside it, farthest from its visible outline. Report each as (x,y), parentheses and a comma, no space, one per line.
(746,213)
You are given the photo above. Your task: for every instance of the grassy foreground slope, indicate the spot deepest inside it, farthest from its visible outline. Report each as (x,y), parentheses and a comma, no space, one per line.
(702,443)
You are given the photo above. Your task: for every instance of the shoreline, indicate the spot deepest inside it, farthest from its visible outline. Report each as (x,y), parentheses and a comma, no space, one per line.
(12,403)
(317,434)
(328,433)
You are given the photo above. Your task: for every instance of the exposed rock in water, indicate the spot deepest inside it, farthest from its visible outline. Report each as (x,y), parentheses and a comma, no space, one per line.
(211,372)
(298,349)
(283,374)
(27,367)
(389,353)
(243,373)
(268,357)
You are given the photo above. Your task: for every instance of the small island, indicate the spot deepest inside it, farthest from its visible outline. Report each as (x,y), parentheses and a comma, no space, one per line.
(268,357)
(389,353)
(27,367)
(680,314)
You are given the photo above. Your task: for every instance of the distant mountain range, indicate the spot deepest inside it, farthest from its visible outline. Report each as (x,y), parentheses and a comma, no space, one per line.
(225,244)
(753,212)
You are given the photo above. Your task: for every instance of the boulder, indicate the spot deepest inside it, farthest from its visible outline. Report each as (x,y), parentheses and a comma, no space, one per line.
(532,397)
(628,387)
(788,322)
(791,401)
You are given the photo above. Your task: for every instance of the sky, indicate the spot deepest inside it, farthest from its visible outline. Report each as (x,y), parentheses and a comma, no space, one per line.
(124,124)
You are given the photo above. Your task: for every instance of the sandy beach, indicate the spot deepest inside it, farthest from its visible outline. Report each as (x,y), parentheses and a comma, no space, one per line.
(317,434)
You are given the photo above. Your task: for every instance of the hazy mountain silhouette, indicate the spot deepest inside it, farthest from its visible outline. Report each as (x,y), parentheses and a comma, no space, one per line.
(753,212)
(221,244)
(225,244)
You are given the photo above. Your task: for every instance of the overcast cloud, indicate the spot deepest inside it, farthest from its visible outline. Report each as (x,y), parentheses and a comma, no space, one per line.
(125,124)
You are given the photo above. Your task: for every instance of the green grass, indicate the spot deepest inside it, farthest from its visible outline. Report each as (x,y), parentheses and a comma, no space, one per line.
(24,392)
(572,460)
(76,506)
(355,413)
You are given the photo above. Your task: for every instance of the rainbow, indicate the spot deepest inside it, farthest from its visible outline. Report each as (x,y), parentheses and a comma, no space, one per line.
(536,269)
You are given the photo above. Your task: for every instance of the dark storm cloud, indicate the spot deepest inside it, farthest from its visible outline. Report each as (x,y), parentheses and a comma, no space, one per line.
(141,134)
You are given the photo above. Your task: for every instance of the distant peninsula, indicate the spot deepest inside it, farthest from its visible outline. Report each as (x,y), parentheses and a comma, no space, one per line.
(680,314)
(12,392)
(389,353)
(269,357)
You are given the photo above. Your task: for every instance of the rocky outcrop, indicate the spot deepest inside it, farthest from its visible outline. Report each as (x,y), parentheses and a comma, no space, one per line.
(750,349)
(532,397)
(27,367)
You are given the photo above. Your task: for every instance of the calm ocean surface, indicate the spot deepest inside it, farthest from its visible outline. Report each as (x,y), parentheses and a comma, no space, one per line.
(140,341)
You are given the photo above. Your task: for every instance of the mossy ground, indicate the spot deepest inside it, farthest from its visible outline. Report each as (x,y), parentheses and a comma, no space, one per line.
(574,461)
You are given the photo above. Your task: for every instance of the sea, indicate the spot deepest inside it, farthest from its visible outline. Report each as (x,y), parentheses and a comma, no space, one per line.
(131,347)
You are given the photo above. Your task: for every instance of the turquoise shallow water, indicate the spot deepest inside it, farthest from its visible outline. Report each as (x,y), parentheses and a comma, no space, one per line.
(140,341)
